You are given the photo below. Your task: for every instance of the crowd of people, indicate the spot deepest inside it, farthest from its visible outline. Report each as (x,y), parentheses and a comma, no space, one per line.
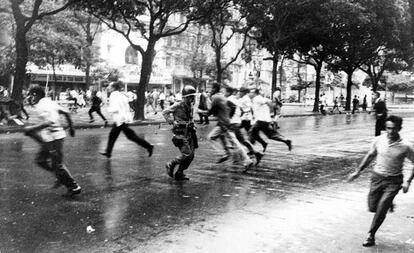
(241,115)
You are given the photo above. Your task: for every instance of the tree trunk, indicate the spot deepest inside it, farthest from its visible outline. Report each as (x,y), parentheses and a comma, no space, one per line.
(21,61)
(275,59)
(318,69)
(218,66)
(348,91)
(144,79)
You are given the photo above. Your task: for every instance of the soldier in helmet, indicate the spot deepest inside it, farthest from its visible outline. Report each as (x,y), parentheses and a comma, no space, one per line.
(180,115)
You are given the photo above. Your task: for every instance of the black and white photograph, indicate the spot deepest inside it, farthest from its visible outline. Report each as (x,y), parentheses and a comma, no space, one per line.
(206,126)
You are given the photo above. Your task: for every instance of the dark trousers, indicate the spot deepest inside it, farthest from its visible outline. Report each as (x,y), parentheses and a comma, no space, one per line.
(267,130)
(236,128)
(246,125)
(380,125)
(97,110)
(129,133)
(162,104)
(382,192)
(50,158)
(186,147)
(203,118)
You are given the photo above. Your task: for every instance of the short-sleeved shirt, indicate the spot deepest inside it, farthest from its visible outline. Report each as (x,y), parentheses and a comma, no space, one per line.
(390,157)
(48,111)
(261,110)
(246,107)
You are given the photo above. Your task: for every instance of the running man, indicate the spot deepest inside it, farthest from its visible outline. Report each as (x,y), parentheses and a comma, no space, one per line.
(50,135)
(390,152)
(119,107)
(185,138)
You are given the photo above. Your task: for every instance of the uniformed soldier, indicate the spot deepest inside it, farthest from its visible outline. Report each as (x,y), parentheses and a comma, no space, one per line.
(180,115)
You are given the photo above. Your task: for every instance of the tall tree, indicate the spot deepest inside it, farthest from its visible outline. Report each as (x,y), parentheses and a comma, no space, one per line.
(53,41)
(150,20)
(227,24)
(352,43)
(90,26)
(25,14)
(275,24)
(391,34)
(312,41)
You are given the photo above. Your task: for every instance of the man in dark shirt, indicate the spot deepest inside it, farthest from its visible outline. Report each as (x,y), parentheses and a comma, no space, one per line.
(96,107)
(380,109)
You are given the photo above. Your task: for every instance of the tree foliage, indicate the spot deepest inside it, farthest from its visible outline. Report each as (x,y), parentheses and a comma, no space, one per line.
(150,20)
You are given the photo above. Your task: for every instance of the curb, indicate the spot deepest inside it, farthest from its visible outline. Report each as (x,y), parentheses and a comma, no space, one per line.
(17,129)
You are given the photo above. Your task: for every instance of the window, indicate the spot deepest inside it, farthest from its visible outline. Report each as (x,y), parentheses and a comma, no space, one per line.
(131,56)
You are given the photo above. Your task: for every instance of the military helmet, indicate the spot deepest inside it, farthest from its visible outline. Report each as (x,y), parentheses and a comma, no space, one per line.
(188,90)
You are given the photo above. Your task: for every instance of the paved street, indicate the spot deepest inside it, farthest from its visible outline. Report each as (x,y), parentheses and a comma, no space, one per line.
(292,202)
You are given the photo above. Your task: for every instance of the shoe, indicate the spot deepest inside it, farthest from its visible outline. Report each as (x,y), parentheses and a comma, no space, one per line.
(222,159)
(369,242)
(258,157)
(170,169)
(74,191)
(91,121)
(289,144)
(264,147)
(56,185)
(181,177)
(150,149)
(248,166)
(106,123)
(105,154)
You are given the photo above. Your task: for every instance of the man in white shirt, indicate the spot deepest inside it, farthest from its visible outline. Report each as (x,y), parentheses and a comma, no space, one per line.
(261,113)
(246,108)
(235,125)
(119,107)
(390,152)
(50,135)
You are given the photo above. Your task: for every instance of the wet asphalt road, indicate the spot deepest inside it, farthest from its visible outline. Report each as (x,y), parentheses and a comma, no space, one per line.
(133,206)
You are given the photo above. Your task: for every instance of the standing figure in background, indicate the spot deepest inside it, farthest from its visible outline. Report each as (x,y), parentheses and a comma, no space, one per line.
(202,105)
(185,138)
(364,104)
(355,104)
(380,109)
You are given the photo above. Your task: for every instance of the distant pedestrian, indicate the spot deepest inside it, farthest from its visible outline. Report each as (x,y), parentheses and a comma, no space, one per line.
(119,107)
(185,138)
(171,99)
(50,135)
(322,104)
(96,107)
(380,109)
(336,106)
(355,104)
(162,100)
(202,106)
(364,104)
(390,152)
(132,97)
